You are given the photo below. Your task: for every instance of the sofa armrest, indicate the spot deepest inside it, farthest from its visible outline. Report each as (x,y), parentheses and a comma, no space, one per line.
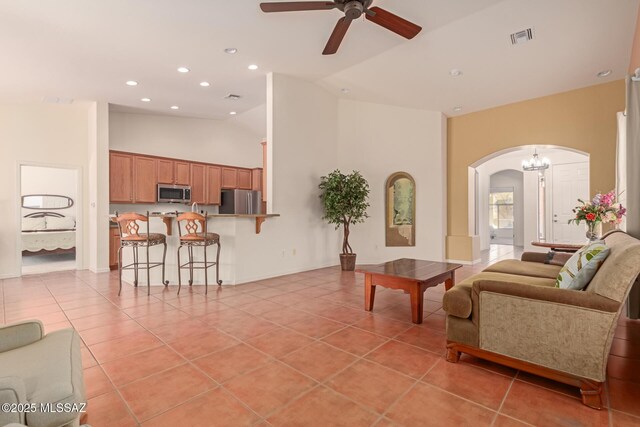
(12,391)
(542,293)
(20,334)
(534,257)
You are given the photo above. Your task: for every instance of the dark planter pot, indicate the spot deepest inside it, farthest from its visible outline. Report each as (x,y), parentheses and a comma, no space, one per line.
(348,262)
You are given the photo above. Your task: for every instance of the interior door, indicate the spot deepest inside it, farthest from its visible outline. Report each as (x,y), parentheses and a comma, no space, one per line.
(570,182)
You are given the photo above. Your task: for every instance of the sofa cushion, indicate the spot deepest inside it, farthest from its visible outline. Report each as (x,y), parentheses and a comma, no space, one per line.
(457,300)
(51,369)
(582,266)
(525,268)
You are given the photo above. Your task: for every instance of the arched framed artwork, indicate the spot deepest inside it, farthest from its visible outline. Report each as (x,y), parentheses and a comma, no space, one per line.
(400,206)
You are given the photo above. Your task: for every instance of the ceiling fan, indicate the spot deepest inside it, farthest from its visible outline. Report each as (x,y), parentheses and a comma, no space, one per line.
(352,9)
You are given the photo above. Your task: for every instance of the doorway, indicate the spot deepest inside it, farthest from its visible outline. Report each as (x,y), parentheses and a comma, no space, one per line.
(493,203)
(570,183)
(49,211)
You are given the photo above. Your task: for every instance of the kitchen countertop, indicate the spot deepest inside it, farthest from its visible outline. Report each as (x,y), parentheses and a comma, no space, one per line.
(167,218)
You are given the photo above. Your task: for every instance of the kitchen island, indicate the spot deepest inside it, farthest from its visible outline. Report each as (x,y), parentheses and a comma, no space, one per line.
(236,232)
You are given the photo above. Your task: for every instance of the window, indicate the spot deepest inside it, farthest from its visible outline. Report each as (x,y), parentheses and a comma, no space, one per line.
(501,208)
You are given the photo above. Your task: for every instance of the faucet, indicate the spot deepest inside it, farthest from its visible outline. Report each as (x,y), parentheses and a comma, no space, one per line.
(194,207)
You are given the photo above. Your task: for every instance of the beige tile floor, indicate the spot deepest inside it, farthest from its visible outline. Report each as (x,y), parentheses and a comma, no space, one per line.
(296,350)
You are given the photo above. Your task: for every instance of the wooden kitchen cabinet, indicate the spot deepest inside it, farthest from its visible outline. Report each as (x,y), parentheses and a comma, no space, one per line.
(166,171)
(182,175)
(173,172)
(214,184)
(120,178)
(198,184)
(145,178)
(229,177)
(256,179)
(244,179)
(114,244)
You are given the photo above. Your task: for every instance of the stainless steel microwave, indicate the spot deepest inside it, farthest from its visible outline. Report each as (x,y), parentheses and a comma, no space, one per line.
(168,193)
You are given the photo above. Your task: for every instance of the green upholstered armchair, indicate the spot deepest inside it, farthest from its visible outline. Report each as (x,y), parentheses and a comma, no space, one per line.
(40,369)
(512,314)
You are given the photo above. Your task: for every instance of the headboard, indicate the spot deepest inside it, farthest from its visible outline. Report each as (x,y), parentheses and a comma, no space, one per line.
(44,215)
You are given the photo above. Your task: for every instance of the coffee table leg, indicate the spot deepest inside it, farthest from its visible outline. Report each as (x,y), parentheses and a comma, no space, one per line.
(369,292)
(448,284)
(417,304)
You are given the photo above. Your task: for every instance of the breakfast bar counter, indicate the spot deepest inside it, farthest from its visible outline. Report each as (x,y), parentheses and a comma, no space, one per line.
(237,233)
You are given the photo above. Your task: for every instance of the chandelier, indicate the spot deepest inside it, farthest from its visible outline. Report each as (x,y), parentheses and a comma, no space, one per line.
(535,163)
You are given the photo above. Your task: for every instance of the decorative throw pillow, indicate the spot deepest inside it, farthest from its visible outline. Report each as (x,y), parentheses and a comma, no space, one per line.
(64,223)
(33,224)
(582,266)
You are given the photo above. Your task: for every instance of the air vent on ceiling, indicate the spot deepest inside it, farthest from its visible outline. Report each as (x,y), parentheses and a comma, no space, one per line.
(57,100)
(522,36)
(232,97)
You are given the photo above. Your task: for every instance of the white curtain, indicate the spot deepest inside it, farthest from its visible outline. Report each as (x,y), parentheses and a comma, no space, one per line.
(621,163)
(633,180)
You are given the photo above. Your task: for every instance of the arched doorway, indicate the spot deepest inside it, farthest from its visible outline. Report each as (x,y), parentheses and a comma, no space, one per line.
(544,207)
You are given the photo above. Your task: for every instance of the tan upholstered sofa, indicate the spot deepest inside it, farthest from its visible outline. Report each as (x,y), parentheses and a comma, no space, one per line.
(40,369)
(512,313)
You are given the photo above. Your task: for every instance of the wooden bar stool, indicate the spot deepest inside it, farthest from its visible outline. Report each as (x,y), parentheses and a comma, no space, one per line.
(130,237)
(195,226)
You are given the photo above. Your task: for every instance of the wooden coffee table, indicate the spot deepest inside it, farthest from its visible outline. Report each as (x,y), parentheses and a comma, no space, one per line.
(414,276)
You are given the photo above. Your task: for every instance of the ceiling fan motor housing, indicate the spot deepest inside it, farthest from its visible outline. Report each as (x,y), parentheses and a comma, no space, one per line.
(353,9)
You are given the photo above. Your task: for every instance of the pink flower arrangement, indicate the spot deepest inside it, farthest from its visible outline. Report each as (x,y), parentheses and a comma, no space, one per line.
(602,208)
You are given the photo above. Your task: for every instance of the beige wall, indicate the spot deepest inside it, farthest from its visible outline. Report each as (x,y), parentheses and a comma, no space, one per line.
(42,134)
(583,119)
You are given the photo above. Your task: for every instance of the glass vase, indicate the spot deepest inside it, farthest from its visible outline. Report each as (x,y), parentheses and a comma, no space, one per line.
(593,231)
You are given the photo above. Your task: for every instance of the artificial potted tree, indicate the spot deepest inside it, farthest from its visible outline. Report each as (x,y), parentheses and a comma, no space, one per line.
(344,198)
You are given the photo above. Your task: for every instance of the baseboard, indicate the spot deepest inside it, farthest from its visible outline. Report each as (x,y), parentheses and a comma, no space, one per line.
(99,270)
(456,261)
(9,276)
(271,275)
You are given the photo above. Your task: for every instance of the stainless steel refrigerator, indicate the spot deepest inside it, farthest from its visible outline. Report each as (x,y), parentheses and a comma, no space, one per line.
(241,202)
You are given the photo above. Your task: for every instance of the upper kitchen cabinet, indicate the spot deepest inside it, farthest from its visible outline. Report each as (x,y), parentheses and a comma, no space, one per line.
(166,171)
(120,178)
(198,183)
(145,178)
(244,179)
(173,172)
(229,177)
(182,173)
(214,184)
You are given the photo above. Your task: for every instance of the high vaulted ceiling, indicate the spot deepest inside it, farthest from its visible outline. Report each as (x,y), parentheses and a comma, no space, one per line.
(88,49)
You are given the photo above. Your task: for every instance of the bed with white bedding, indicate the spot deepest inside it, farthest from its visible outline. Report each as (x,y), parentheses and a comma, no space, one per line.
(48,232)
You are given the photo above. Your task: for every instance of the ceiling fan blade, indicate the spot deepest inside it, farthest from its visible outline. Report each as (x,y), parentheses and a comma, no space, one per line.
(393,23)
(336,36)
(293,6)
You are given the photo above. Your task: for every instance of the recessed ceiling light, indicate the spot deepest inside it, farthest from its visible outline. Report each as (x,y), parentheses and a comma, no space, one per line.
(253,67)
(345,90)
(132,83)
(455,72)
(231,50)
(233,113)
(205,84)
(457,109)
(604,73)
(146,100)
(183,70)
(175,107)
